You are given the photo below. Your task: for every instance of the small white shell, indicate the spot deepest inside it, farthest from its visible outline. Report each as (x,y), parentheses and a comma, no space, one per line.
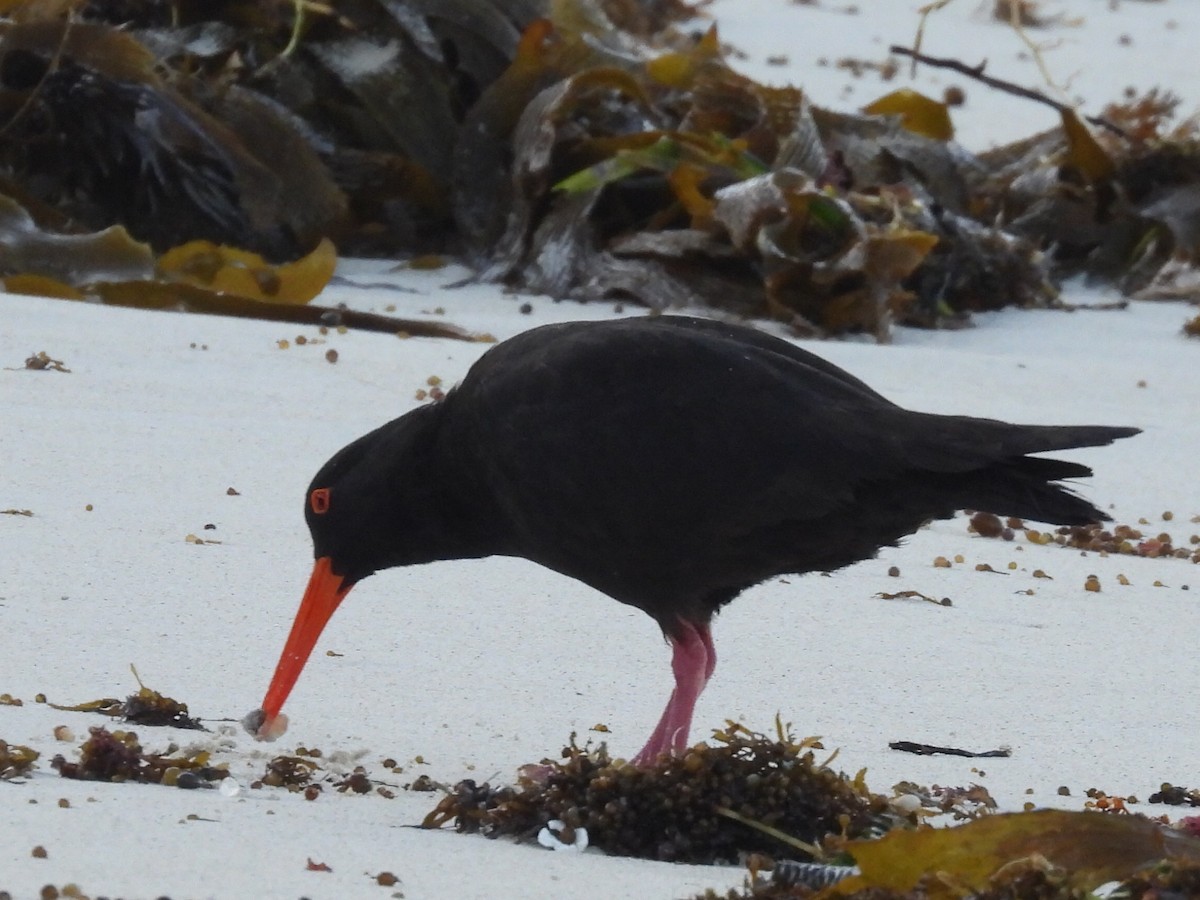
(229,787)
(906,804)
(548,839)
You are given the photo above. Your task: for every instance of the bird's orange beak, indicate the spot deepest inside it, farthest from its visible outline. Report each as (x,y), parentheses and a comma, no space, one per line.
(322,596)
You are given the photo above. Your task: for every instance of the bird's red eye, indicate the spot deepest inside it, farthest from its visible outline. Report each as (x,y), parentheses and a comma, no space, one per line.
(318,500)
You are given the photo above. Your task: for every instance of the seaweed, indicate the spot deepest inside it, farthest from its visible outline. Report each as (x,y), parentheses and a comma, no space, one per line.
(748,793)
(146,707)
(1046,855)
(573,149)
(291,772)
(16,760)
(117,756)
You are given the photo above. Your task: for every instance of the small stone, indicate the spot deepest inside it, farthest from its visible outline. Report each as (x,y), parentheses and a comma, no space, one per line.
(986,524)
(189,780)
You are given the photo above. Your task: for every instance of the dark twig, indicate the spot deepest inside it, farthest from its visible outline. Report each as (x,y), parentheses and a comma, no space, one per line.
(189,298)
(977,73)
(930,749)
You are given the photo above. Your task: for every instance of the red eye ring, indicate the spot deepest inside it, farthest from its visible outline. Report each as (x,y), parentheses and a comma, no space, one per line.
(318,501)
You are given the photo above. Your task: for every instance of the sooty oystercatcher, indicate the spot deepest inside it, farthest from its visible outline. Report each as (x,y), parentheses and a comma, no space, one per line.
(669,462)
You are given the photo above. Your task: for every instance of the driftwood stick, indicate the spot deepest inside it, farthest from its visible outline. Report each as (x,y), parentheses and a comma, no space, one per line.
(978,74)
(930,749)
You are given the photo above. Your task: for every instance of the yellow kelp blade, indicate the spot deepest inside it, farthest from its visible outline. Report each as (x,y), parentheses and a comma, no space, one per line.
(918,113)
(228,270)
(1094,847)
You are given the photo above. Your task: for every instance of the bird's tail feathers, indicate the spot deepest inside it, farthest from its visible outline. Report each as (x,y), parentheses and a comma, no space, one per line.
(1027,488)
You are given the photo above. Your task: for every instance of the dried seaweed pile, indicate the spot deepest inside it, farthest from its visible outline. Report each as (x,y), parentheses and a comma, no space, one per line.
(561,147)
(118,756)
(680,181)
(302,774)
(714,804)
(244,125)
(767,803)
(146,707)
(1178,795)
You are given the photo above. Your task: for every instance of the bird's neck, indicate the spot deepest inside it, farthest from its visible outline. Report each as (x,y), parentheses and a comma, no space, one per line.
(457,513)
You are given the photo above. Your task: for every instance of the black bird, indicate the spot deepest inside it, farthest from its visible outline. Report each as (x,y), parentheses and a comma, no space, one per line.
(669,462)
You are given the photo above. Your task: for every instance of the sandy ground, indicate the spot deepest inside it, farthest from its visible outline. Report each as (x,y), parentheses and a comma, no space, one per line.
(471,669)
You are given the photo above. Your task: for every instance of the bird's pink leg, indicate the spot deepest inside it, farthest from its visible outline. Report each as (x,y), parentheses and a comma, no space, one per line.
(706,637)
(693,660)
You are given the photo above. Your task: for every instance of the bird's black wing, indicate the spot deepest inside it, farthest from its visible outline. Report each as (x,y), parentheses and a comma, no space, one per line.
(651,425)
(677,452)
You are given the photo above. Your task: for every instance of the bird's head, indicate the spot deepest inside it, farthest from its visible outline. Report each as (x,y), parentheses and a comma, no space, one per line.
(349,508)
(353,507)
(390,498)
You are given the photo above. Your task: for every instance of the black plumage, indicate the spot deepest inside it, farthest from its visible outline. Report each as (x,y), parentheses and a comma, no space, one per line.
(669,462)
